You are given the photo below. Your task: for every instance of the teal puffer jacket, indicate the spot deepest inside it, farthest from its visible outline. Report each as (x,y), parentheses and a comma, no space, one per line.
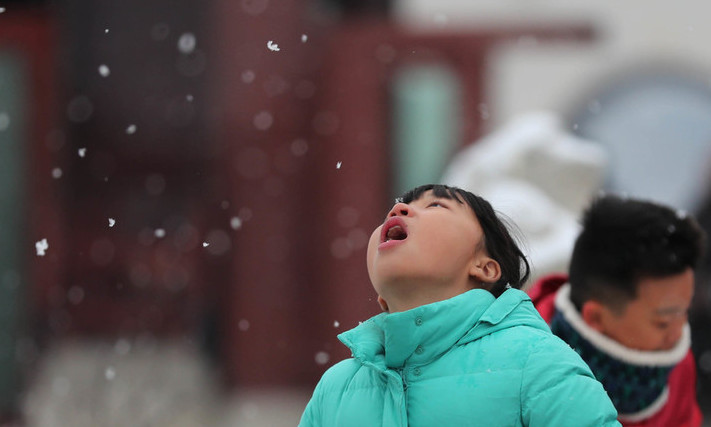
(472,360)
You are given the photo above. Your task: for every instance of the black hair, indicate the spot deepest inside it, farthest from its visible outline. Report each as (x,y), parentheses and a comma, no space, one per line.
(498,241)
(624,240)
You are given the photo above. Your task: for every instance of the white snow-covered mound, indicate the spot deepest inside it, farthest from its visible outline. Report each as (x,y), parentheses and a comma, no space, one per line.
(540,176)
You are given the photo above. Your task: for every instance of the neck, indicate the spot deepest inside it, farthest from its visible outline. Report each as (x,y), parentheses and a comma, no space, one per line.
(411,294)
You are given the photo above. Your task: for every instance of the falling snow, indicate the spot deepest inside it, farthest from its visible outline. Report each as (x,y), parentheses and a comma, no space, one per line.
(104,70)
(263,120)
(112,222)
(304,38)
(187,43)
(322,357)
(56,173)
(131,129)
(2,9)
(235,223)
(110,373)
(248,76)
(106,31)
(189,98)
(336,323)
(338,165)
(159,233)
(205,244)
(243,325)
(81,152)
(272,46)
(41,247)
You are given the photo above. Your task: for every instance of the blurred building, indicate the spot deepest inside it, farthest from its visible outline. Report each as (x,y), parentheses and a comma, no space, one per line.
(206,176)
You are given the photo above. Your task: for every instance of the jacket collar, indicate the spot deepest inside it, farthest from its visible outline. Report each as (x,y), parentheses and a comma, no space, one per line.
(422,334)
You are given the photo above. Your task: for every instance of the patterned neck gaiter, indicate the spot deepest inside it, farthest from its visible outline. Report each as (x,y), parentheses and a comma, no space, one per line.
(636,381)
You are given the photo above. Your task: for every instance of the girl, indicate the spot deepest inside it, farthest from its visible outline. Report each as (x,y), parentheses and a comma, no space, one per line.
(458,343)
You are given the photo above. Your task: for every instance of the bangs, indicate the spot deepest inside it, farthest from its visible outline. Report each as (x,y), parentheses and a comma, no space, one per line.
(443,191)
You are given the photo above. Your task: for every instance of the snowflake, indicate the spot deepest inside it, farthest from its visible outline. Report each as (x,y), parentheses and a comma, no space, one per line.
(322,357)
(104,70)
(338,165)
(272,46)
(187,43)
(110,373)
(82,152)
(112,222)
(41,247)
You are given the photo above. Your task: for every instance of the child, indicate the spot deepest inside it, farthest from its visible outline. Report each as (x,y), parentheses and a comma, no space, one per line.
(458,344)
(624,307)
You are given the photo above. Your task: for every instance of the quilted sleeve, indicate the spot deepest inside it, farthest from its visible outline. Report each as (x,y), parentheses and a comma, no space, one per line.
(558,389)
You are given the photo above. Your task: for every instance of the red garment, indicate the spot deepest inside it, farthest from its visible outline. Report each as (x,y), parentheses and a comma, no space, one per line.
(681,410)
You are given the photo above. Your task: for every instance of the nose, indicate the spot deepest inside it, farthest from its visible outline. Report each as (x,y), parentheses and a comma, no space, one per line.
(400,209)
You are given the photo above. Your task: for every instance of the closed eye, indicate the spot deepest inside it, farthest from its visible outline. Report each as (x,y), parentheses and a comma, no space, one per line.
(436,204)
(662,325)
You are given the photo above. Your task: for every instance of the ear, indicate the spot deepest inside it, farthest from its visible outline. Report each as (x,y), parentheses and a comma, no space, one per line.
(485,270)
(593,314)
(383,304)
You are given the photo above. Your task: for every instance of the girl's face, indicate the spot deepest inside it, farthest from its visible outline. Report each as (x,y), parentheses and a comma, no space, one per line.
(425,250)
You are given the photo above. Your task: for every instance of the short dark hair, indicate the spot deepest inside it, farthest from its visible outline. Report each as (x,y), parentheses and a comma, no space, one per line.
(624,240)
(498,241)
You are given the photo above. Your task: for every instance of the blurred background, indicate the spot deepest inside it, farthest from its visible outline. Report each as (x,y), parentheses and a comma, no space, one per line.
(187,187)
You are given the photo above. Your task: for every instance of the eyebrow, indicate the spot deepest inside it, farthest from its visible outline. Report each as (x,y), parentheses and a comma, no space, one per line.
(435,198)
(668,311)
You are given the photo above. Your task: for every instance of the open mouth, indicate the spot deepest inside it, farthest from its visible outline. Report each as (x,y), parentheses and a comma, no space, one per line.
(393,229)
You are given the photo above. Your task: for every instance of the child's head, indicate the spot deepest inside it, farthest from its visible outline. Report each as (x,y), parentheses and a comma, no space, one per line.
(437,242)
(631,272)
